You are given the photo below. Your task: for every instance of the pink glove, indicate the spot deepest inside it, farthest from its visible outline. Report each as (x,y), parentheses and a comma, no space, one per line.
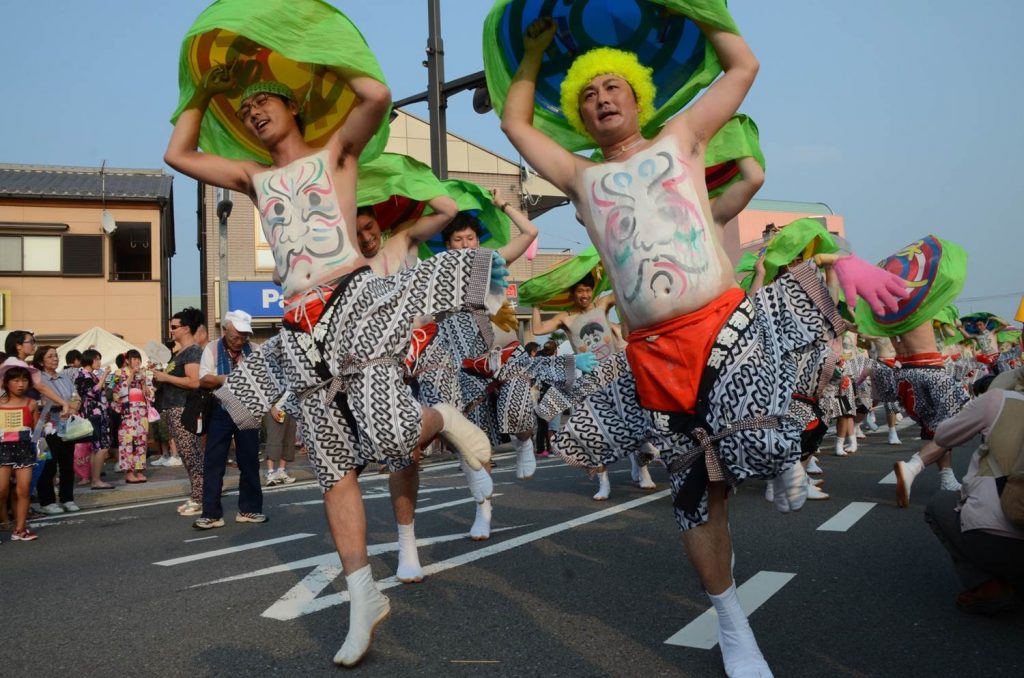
(881,289)
(531,251)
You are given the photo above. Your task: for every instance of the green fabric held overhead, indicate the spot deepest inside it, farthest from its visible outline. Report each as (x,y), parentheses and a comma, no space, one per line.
(390,175)
(550,290)
(499,72)
(1012,336)
(301,43)
(949,315)
(476,200)
(791,241)
(935,270)
(737,139)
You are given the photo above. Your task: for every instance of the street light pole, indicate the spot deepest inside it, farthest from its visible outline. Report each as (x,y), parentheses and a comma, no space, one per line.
(224,206)
(437,101)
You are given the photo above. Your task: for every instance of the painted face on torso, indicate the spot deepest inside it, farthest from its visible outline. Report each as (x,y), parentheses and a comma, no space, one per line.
(647,221)
(589,331)
(303,223)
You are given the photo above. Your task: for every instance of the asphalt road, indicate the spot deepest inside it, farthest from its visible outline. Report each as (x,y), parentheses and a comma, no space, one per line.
(565,586)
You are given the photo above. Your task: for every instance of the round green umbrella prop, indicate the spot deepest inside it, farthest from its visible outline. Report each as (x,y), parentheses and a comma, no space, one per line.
(662,33)
(550,290)
(303,44)
(991,321)
(475,201)
(934,269)
(803,237)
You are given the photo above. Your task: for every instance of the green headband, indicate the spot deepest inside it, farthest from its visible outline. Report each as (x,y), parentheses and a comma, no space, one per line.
(268,87)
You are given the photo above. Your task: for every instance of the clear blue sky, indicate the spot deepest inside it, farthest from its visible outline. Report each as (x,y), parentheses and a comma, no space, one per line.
(905,117)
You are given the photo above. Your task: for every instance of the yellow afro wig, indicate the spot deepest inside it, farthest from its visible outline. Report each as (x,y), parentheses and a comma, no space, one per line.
(602,61)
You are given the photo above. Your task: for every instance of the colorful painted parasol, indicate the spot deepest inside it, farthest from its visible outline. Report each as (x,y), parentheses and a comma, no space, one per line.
(303,44)
(934,270)
(662,33)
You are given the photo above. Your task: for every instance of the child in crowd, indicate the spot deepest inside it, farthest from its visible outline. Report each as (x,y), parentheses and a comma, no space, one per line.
(18,414)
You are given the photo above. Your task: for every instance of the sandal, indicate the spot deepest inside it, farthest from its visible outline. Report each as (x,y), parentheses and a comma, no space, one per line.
(102,487)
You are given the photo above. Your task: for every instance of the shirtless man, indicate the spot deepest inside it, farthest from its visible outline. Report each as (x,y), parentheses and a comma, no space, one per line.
(338,355)
(646,210)
(988,344)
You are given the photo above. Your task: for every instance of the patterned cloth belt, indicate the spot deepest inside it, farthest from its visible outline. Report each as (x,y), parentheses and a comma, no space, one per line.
(350,367)
(706,444)
(435,367)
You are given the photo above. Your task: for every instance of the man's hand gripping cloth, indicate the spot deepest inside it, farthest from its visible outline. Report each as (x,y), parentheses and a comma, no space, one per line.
(347,373)
(927,390)
(741,426)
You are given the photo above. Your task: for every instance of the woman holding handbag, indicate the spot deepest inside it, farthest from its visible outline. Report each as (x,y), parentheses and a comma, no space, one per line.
(62,451)
(133,393)
(179,379)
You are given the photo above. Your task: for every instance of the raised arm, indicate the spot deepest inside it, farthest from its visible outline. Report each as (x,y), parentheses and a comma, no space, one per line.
(364,118)
(182,150)
(527,230)
(714,108)
(737,196)
(553,162)
(541,327)
(605,302)
(426,227)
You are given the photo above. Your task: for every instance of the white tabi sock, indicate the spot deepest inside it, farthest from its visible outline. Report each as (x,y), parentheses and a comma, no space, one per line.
(870,422)
(645,480)
(409,570)
(840,452)
(905,472)
(526,462)
(894,437)
(858,432)
(468,440)
(851,443)
(789,491)
(740,653)
(481,486)
(948,481)
(481,529)
(604,487)
(812,466)
(368,607)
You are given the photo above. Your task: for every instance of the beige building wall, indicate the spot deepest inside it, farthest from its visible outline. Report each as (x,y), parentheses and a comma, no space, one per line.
(58,307)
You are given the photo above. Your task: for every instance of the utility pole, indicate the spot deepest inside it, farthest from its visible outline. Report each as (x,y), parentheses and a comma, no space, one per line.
(437,100)
(224,206)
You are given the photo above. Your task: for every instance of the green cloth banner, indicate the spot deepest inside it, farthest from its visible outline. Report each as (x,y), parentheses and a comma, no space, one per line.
(661,32)
(737,139)
(791,241)
(300,43)
(390,175)
(934,269)
(474,200)
(550,290)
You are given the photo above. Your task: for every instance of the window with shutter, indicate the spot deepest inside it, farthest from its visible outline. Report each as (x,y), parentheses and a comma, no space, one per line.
(82,255)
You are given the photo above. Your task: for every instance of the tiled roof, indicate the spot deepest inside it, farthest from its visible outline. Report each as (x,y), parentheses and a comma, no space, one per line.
(83,183)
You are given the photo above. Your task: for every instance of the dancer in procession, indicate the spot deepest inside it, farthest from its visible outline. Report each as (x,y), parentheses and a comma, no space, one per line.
(712,370)
(339,353)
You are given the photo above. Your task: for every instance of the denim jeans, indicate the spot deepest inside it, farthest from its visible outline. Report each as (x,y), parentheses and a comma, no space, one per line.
(219,433)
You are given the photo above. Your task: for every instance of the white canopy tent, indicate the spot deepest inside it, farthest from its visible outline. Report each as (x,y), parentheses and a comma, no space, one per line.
(109,345)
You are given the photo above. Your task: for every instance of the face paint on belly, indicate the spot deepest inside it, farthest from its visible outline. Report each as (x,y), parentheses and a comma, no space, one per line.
(302,221)
(651,227)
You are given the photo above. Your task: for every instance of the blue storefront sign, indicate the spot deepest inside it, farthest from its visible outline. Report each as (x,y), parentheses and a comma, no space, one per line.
(260,299)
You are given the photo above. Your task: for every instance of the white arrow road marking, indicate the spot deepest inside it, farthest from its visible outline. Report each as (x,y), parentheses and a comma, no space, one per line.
(702,632)
(233,549)
(845,519)
(889,479)
(308,603)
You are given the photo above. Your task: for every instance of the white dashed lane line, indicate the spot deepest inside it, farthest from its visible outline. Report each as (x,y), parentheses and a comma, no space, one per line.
(848,517)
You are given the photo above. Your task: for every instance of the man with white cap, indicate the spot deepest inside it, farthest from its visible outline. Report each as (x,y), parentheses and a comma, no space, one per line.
(219,358)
